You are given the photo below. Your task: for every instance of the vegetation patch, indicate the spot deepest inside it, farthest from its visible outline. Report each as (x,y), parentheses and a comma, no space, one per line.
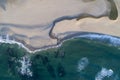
(114,12)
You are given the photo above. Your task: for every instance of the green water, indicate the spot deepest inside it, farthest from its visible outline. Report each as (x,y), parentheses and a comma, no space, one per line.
(99,55)
(62,63)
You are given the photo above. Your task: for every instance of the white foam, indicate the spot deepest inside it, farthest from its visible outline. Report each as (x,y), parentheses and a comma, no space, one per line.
(112,40)
(82,64)
(104,73)
(25,66)
(8,41)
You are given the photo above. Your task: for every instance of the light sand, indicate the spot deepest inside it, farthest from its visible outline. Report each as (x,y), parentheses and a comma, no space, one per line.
(32,18)
(102,25)
(44,11)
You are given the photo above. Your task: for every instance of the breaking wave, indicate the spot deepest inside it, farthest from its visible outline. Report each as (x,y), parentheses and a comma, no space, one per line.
(115,41)
(82,64)
(112,40)
(104,73)
(25,64)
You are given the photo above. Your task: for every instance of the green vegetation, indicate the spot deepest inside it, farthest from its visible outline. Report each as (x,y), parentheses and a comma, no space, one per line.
(114,12)
(61,63)
(113,15)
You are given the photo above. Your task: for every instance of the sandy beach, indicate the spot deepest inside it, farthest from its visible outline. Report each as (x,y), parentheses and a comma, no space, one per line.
(102,25)
(31,23)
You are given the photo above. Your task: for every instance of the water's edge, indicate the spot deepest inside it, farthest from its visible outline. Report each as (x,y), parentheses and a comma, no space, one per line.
(113,40)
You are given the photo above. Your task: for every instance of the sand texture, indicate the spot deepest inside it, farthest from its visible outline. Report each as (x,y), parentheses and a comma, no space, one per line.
(41,23)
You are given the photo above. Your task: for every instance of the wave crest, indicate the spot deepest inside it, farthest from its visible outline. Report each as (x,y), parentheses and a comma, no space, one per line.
(104,73)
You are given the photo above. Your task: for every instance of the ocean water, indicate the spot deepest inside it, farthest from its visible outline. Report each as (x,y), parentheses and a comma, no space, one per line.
(83,58)
(87,57)
(92,58)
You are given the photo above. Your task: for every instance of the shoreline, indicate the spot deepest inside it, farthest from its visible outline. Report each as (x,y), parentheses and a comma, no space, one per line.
(51,35)
(114,40)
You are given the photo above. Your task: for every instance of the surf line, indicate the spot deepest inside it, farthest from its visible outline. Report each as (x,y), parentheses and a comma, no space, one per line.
(115,41)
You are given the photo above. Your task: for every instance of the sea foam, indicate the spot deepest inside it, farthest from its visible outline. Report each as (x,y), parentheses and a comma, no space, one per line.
(104,73)
(115,41)
(25,66)
(82,64)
